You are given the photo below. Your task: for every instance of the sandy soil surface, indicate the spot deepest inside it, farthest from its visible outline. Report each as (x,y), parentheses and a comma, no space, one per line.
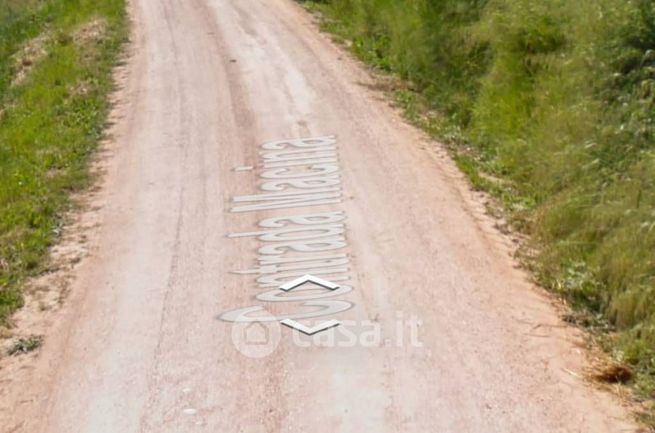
(204,209)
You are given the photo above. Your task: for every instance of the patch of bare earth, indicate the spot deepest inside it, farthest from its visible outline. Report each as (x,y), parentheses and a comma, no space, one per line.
(29,56)
(44,295)
(90,33)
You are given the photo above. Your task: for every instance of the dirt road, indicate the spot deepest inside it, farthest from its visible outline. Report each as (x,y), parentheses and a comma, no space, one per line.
(208,205)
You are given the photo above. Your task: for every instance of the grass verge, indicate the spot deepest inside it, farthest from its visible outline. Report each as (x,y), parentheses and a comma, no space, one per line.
(56,60)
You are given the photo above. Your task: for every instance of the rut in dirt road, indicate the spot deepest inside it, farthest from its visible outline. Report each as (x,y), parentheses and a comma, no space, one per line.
(250,151)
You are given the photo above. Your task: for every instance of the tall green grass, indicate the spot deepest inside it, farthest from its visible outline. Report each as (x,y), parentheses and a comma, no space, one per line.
(557,100)
(50,121)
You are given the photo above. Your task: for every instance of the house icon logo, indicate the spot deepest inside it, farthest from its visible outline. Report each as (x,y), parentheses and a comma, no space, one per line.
(256,338)
(256,333)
